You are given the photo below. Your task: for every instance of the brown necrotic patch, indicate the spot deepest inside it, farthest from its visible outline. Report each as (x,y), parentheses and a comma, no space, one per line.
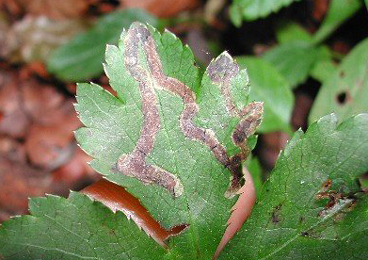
(251,119)
(276,214)
(134,164)
(221,71)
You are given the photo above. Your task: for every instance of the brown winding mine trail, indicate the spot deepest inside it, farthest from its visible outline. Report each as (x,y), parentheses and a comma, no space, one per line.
(134,163)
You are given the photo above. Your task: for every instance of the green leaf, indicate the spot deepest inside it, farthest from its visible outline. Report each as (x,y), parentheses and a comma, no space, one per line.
(323,70)
(346,92)
(271,88)
(235,15)
(74,228)
(82,57)
(297,57)
(338,12)
(255,170)
(254,9)
(174,137)
(294,60)
(364,182)
(291,32)
(324,66)
(291,220)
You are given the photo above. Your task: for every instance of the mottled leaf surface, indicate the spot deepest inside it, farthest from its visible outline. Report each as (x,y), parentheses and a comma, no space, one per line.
(271,88)
(312,206)
(173,137)
(254,9)
(82,57)
(345,92)
(74,228)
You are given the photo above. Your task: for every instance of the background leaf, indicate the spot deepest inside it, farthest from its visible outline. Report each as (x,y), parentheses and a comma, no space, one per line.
(291,32)
(345,93)
(323,70)
(254,9)
(338,12)
(289,221)
(271,88)
(293,60)
(82,57)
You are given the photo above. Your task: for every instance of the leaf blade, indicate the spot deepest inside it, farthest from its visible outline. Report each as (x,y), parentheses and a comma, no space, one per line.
(93,232)
(289,208)
(254,9)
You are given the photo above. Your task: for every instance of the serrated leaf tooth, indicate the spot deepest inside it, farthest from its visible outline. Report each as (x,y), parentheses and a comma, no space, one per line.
(16,216)
(361,115)
(171,34)
(137,25)
(227,54)
(122,35)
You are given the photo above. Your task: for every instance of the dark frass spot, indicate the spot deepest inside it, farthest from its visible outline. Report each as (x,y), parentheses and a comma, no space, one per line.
(326,185)
(343,97)
(276,216)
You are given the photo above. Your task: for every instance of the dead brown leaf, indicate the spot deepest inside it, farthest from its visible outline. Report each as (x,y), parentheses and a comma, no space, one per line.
(12,149)
(15,121)
(76,170)
(42,101)
(161,8)
(14,7)
(320,8)
(117,198)
(41,115)
(49,141)
(54,9)
(18,182)
(272,144)
(34,68)
(33,38)
(303,104)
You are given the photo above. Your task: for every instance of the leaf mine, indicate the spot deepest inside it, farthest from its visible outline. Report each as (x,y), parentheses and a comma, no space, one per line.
(151,78)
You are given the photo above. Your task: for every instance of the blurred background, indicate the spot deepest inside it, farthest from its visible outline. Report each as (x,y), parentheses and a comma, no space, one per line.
(294,52)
